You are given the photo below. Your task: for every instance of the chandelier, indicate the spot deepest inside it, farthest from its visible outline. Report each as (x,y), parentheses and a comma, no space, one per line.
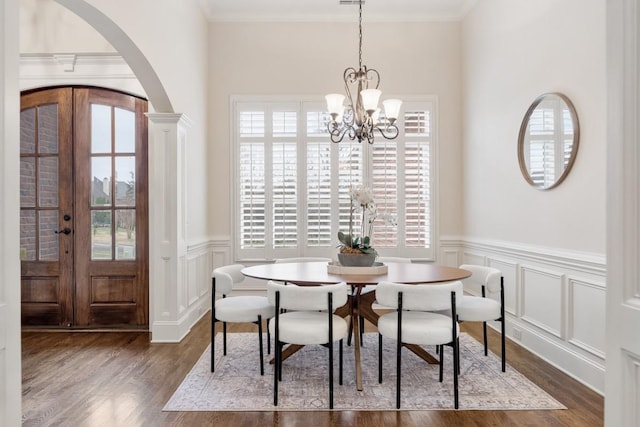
(360,119)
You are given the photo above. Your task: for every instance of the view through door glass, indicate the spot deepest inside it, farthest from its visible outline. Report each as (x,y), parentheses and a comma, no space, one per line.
(105,270)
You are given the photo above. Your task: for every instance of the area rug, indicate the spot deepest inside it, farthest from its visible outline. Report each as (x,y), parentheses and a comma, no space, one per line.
(237,385)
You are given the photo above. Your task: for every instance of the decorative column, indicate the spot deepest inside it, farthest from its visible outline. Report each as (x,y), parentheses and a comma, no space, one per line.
(167,226)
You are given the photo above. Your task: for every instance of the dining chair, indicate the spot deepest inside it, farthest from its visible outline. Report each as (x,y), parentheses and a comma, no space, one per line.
(309,319)
(370,288)
(415,321)
(236,309)
(484,308)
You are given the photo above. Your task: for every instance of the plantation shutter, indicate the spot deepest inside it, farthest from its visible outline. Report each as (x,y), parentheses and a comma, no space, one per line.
(251,183)
(319,180)
(350,173)
(384,184)
(292,184)
(417,179)
(284,172)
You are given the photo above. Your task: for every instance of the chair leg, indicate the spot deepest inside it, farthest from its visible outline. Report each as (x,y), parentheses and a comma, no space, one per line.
(224,338)
(350,333)
(456,369)
(268,339)
(276,370)
(484,334)
(361,330)
(260,343)
(398,373)
(441,354)
(379,358)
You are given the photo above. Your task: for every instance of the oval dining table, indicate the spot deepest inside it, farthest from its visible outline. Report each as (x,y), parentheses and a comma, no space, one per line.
(360,304)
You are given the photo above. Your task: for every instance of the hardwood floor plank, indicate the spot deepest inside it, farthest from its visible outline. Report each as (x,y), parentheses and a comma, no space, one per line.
(121,379)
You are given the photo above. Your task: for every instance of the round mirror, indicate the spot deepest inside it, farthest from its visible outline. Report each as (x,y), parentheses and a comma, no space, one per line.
(548,140)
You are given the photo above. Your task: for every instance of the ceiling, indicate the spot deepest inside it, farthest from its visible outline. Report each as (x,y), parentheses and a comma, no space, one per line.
(332,10)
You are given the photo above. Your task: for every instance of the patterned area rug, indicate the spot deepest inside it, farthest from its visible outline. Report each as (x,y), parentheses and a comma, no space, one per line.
(237,385)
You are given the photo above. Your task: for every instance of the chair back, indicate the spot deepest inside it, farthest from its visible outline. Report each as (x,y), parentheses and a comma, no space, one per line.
(307,298)
(227,276)
(489,277)
(427,297)
(302,259)
(393,259)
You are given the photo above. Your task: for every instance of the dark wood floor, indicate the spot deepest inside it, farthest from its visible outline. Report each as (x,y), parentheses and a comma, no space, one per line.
(120,379)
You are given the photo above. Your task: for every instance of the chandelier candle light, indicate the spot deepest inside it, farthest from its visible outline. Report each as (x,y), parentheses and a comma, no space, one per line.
(359,119)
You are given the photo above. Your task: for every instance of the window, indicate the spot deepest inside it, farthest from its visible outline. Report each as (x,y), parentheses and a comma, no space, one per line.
(291,186)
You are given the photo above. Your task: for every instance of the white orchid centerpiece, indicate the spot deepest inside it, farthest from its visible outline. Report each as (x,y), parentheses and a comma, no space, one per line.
(361,201)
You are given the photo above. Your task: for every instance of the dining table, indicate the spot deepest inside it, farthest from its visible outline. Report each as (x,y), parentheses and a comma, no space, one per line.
(359,304)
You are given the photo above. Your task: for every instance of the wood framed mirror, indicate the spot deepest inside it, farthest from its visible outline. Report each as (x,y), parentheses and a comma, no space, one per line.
(548,140)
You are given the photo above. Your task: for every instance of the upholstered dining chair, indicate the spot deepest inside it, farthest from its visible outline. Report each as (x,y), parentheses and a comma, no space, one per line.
(309,319)
(415,320)
(376,305)
(236,309)
(483,308)
(370,288)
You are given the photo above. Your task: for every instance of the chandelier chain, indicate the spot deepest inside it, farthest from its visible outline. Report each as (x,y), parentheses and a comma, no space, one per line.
(359,120)
(360,36)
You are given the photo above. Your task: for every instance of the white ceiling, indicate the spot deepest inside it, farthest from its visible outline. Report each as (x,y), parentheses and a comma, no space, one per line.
(332,10)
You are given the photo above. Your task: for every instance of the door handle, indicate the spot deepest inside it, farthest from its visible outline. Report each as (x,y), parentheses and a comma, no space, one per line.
(65,230)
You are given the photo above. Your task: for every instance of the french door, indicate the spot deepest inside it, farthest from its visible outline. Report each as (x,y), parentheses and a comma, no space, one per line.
(83,209)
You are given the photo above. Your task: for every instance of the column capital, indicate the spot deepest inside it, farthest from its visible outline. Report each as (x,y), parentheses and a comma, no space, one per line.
(170,118)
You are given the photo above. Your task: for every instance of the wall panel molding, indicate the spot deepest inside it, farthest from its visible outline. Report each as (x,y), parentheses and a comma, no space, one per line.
(542,299)
(554,301)
(587,316)
(578,261)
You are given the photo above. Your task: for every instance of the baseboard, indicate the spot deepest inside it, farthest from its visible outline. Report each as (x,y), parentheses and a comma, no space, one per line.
(572,363)
(175,331)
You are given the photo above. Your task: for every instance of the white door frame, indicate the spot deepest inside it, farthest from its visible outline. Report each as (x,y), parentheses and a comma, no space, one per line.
(10,346)
(622,380)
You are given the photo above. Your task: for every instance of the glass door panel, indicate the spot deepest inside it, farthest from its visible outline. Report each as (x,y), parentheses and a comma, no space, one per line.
(39,164)
(113,171)
(46,207)
(101,241)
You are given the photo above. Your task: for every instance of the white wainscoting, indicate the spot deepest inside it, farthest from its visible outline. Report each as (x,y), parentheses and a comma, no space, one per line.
(554,300)
(193,294)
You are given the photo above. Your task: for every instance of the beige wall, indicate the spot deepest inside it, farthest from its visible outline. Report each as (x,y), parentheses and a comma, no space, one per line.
(514,51)
(47,27)
(309,59)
